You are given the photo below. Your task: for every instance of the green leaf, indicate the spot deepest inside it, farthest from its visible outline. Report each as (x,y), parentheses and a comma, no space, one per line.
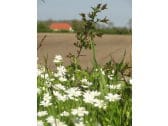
(104,7)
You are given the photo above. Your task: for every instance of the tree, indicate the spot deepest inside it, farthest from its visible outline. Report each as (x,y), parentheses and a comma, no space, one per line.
(77,25)
(42,27)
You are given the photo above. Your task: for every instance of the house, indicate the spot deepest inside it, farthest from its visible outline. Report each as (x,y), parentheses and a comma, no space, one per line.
(61,26)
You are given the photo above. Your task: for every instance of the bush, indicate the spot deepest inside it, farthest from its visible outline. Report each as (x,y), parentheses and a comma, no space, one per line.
(43,27)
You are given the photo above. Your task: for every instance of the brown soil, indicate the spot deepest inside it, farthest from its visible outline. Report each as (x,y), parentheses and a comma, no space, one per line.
(106,47)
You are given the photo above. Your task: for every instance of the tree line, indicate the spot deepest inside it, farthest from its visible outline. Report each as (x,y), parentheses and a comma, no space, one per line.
(109,28)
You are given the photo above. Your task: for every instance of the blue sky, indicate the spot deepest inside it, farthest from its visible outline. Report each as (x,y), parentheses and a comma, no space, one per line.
(119,11)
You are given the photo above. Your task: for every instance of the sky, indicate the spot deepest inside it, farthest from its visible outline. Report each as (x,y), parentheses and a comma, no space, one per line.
(119,11)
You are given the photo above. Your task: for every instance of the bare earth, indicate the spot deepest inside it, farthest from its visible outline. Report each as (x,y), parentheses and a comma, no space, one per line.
(106,47)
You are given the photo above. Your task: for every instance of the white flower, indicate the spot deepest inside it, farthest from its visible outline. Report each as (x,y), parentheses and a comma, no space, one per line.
(96,69)
(80,111)
(89,96)
(47,97)
(40,123)
(79,124)
(61,69)
(85,86)
(52,79)
(43,88)
(73,78)
(118,86)
(57,74)
(48,83)
(59,87)
(60,96)
(46,100)
(86,82)
(44,76)
(45,103)
(38,90)
(62,79)
(99,103)
(110,77)
(64,113)
(112,97)
(55,122)
(94,93)
(58,59)
(59,123)
(42,113)
(113,71)
(102,71)
(40,70)
(130,81)
(50,119)
(61,72)
(73,92)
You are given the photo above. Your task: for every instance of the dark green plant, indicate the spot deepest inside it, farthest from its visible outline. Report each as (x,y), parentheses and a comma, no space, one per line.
(86,35)
(42,27)
(77,25)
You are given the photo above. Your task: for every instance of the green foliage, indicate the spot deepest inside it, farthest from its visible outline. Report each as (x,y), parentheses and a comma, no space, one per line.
(77,25)
(43,27)
(85,36)
(116,30)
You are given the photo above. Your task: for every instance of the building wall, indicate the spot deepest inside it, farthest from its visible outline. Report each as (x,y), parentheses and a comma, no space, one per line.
(70,29)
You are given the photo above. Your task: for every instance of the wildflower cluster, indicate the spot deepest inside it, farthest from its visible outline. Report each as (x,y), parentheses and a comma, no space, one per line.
(63,101)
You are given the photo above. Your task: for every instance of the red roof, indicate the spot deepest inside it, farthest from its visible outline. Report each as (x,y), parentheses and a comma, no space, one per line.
(60,26)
